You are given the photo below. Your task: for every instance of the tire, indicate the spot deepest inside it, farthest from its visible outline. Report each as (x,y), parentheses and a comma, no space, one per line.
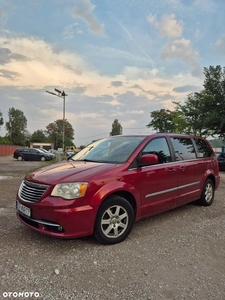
(42,158)
(207,196)
(114,220)
(19,158)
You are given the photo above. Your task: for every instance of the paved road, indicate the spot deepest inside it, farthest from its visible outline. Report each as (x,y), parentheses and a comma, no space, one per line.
(176,255)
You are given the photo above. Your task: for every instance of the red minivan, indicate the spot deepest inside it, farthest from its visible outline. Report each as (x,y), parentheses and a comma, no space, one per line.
(113,182)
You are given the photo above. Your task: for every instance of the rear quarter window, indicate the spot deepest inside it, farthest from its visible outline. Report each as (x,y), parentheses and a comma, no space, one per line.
(203,148)
(184,148)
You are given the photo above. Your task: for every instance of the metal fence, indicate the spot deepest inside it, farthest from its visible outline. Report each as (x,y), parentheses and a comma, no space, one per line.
(6,150)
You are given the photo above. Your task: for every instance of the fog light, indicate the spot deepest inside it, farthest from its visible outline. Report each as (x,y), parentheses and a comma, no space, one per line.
(60,228)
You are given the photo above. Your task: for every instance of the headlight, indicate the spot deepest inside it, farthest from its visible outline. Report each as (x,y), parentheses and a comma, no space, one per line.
(70,190)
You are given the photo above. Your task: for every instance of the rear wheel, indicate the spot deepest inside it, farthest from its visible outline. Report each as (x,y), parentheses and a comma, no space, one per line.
(42,158)
(207,196)
(114,220)
(19,158)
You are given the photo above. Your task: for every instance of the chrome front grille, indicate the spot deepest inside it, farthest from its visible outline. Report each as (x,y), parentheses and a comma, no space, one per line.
(31,191)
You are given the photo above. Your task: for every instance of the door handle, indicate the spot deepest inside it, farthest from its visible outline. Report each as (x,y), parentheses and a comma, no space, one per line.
(182,168)
(172,170)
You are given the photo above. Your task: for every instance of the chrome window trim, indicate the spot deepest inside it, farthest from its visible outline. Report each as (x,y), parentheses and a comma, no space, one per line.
(171,190)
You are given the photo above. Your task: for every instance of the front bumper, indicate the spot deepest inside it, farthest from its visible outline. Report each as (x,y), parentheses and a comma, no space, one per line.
(59,222)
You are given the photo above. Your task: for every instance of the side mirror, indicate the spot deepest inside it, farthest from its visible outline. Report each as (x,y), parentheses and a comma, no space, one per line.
(149,159)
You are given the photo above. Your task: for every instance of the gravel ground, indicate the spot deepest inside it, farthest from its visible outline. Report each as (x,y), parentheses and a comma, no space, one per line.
(176,255)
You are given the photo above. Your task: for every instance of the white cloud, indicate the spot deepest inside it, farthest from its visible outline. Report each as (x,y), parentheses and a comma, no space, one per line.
(43,64)
(93,100)
(168,26)
(84,11)
(134,73)
(179,49)
(39,65)
(69,31)
(151,19)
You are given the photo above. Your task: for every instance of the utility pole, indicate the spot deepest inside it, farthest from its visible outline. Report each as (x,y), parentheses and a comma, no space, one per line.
(62,95)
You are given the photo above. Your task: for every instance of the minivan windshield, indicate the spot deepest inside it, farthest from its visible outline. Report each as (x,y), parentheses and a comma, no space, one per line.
(110,150)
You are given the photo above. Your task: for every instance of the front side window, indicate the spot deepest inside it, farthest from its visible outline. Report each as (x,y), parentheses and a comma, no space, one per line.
(184,148)
(160,148)
(203,149)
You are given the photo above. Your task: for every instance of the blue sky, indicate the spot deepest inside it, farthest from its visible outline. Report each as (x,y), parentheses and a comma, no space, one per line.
(116,59)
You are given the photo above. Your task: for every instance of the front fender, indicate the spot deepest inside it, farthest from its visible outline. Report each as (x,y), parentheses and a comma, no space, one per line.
(113,188)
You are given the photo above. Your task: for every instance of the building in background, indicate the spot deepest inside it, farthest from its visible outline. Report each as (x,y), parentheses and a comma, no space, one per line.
(46,146)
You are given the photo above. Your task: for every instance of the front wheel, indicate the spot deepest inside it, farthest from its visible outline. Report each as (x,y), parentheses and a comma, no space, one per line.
(207,196)
(114,220)
(19,158)
(42,158)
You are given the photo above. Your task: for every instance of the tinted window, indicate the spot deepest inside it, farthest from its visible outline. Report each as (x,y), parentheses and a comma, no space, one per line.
(160,148)
(184,148)
(33,151)
(203,149)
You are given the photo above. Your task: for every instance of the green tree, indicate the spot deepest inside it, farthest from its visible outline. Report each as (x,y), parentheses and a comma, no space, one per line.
(202,113)
(16,126)
(54,132)
(82,147)
(214,103)
(5,140)
(116,128)
(1,119)
(193,114)
(164,120)
(68,142)
(27,138)
(38,136)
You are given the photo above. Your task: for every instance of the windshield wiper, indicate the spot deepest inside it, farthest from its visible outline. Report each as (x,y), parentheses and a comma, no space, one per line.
(86,160)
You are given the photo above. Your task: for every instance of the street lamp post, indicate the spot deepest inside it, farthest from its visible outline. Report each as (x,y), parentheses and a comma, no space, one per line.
(63,96)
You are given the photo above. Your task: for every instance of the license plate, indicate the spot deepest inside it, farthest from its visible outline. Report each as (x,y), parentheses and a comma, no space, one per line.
(23,209)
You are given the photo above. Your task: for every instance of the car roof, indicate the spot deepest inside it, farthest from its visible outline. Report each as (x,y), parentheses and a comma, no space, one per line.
(157,134)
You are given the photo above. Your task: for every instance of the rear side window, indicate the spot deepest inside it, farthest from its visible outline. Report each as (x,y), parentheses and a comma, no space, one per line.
(184,148)
(203,149)
(160,148)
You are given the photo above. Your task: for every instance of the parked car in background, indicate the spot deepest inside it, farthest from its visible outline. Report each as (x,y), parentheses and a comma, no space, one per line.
(221,161)
(69,152)
(59,152)
(32,154)
(53,151)
(113,182)
(45,151)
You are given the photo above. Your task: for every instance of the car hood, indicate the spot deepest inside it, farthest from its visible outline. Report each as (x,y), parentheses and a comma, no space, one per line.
(68,171)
